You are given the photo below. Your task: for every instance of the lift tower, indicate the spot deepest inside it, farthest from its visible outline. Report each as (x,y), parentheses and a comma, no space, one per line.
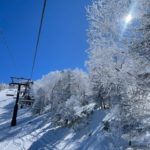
(19,82)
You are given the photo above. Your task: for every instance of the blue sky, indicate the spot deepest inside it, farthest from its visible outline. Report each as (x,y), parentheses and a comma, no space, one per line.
(63,40)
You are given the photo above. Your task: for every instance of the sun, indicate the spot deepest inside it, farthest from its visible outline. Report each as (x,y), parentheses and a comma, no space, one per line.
(128,18)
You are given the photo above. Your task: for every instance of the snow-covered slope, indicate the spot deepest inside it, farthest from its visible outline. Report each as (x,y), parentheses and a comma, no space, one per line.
(37,132)
(10,137)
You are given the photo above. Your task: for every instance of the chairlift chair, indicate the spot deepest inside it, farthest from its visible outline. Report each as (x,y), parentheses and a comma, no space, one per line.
(26,98)
(9,94)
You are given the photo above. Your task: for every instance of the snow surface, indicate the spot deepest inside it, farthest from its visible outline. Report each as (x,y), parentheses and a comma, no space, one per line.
(37,132)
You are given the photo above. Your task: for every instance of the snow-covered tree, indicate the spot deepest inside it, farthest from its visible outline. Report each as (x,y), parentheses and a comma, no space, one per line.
(139,50)
(3,86)
(63,94)
(118,52)
(108,63)
(140,45)
(42,90)
(40,102)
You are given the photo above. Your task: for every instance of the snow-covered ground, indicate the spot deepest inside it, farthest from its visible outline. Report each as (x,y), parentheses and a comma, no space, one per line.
(37,132)
(12,137)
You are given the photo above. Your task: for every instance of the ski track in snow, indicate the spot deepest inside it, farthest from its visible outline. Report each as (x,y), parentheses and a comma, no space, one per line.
(9,139)
(27,131)
(35,133)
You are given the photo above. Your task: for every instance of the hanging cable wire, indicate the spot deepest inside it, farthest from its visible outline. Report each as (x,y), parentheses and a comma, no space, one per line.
(38,38)
(3,37)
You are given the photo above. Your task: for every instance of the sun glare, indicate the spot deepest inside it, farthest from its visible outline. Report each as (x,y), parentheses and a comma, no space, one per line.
(128,18)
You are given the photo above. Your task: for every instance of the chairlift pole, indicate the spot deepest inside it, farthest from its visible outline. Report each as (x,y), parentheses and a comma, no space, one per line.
(19,82)
(13,122)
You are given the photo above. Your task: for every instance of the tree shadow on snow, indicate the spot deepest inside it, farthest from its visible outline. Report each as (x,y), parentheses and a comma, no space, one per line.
(66,138)
(26,123)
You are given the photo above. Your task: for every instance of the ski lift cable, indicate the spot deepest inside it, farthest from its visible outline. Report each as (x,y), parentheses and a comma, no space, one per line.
(38,38)
(3,37)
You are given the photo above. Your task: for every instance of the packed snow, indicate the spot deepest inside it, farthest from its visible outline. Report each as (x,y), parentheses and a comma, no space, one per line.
(36,132)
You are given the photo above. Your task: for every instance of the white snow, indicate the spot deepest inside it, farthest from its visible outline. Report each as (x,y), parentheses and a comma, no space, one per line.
(37,132)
